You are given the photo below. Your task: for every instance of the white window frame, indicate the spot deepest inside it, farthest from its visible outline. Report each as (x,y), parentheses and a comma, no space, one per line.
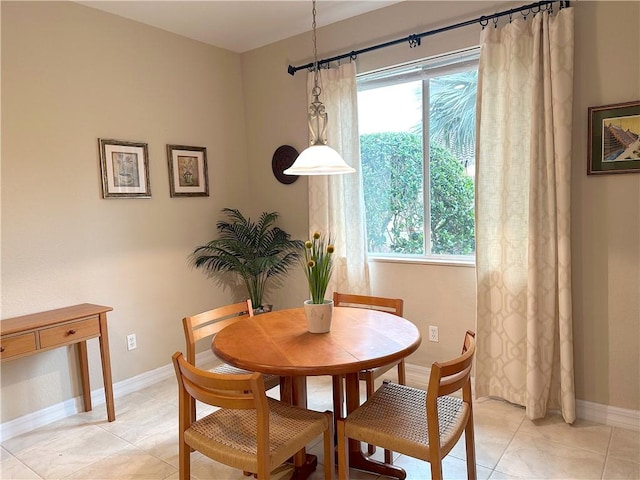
(423,70)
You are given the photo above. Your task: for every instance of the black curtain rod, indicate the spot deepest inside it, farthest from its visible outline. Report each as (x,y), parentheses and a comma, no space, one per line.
(414,39)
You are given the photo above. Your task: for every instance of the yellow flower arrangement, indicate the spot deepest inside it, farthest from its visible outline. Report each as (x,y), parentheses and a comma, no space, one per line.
(318,265)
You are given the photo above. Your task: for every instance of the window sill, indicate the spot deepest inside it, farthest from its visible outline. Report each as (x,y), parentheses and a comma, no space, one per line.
(444,262)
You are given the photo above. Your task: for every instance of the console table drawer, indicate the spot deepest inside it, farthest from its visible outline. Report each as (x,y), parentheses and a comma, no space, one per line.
(69,332)
(10,346)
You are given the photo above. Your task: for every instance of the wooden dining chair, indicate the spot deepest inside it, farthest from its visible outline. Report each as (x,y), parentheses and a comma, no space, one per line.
(249,431)
(206,325)
(390,305)
(417,423)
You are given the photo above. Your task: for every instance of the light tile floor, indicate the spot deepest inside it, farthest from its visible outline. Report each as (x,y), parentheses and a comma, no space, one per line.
(142,444)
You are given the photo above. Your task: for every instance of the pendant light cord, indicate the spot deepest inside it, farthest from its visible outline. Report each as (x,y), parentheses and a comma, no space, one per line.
(319,158)
(316,88)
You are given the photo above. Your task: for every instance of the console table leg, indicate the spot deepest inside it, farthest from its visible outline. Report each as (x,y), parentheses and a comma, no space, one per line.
(106,368)
(84,374)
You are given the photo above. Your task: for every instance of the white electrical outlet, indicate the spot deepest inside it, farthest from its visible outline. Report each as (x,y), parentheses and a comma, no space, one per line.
(433,333)
(131,342)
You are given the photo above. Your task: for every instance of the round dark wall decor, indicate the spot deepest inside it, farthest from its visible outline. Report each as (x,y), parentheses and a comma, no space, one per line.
(283,158)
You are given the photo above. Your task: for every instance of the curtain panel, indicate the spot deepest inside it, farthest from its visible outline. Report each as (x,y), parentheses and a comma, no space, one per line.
(523,257)
(336,202)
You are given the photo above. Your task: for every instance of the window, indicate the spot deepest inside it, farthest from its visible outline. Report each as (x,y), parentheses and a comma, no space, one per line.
(417,144)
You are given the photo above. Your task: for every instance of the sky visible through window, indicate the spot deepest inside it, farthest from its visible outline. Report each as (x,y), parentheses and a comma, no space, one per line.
(396,108)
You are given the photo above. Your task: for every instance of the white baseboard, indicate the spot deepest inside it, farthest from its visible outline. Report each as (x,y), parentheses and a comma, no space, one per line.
(69,407)
(417,376)
(608,415)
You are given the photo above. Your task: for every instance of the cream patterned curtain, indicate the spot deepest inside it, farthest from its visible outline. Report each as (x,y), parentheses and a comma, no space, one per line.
(525,343)
(336,201)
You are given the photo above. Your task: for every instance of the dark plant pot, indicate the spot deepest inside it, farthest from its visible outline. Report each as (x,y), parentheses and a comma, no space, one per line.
(262,309)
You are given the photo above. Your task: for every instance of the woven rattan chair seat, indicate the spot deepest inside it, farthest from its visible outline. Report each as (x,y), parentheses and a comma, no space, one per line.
(395,418)
(270,381)
(234,434)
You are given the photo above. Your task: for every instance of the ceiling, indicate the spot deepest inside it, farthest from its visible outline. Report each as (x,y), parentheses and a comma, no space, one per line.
(237,25)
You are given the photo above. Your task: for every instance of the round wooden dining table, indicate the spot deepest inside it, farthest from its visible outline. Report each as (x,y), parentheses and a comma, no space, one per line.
(278,343)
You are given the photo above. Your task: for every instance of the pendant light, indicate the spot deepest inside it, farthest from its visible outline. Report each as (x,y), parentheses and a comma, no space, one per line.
(318,158)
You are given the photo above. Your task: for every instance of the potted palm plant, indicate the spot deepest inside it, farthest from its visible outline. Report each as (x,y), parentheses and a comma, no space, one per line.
(254,251)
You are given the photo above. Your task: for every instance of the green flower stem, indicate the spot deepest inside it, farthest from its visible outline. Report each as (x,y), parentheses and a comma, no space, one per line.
(318,266)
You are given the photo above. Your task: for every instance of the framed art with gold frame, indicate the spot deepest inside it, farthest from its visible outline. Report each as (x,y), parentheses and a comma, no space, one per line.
(188,176)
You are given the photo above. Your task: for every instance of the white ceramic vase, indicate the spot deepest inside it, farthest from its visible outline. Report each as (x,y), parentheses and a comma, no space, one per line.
(319,316)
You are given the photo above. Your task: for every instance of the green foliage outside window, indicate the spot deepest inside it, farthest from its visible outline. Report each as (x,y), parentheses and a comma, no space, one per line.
(392,172)
(452,205)
(392,176)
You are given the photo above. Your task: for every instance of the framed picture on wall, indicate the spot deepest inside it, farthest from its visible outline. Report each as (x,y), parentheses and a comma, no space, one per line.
(614,138)
(125,169)
(188,175)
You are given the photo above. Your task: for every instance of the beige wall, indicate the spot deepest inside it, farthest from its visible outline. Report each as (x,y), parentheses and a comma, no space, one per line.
(71,74)
(606,210)
(606,214)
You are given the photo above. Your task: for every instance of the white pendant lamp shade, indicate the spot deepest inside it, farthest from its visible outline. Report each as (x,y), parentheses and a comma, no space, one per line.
(319,160)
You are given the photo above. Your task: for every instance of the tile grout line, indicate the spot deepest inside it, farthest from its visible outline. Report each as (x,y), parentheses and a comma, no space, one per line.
(23,464)
(515,432)
(606,456)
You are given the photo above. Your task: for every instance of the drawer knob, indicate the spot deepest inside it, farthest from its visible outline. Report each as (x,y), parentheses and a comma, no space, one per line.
(1,349)
(72,331)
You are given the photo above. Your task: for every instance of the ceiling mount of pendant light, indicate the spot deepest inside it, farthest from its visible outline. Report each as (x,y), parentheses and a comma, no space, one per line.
(319,158)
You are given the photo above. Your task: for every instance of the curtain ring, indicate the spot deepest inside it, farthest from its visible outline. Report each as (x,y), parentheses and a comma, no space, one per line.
(525,14)
(483,19)
(495,22)
(353,56)
(414,41)
(510,16)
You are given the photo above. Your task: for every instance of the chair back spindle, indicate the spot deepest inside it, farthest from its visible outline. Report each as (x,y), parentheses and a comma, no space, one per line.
(209,323)
(390,305)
